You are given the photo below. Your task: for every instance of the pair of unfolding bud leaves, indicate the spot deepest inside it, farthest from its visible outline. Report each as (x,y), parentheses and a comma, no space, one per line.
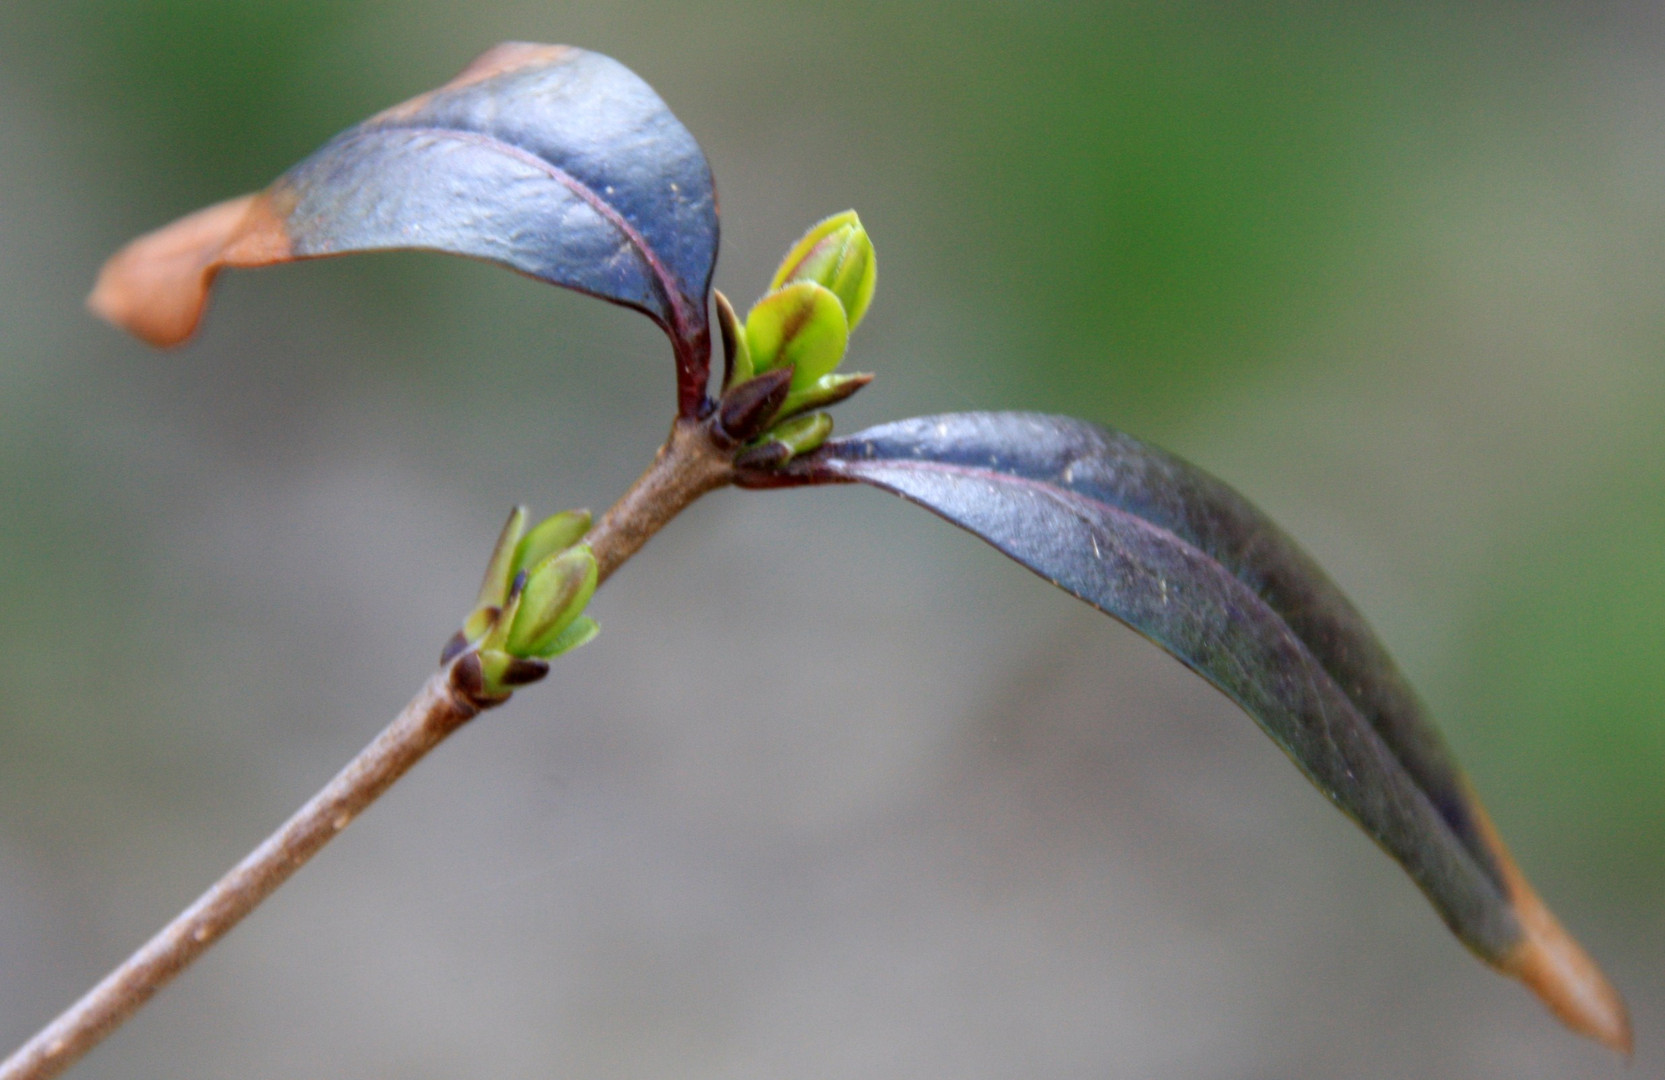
(782,361)
(531,604)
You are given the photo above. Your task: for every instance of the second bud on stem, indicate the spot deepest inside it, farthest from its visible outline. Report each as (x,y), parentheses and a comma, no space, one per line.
(531,603)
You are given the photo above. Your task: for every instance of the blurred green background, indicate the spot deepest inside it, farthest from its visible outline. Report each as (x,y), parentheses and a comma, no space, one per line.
(839,792)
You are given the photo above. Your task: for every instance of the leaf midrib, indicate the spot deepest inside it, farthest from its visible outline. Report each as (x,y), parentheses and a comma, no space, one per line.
(663,278)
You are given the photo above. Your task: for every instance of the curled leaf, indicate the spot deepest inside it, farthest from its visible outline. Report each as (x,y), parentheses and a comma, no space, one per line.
(552,160)
(1186,561)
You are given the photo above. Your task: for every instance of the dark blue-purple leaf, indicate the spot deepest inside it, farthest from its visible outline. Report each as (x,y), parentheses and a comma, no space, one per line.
(1186,561)
(557,162)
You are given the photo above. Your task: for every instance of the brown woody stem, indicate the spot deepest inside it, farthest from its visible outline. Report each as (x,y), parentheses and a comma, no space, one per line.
(692,462)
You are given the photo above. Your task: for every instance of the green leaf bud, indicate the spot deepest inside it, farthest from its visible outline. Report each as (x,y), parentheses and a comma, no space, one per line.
(828,390)
(737,354)
(838,254)
(801,326)
(497,635)
(556,591)
(554,533)
(802,434)
(580,632)
(494,590)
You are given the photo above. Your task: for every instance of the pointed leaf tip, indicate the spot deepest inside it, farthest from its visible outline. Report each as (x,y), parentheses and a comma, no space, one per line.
(156,287)
(826,391)
(1554,966)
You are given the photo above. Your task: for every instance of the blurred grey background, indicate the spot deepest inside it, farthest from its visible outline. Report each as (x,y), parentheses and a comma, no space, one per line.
(839,792)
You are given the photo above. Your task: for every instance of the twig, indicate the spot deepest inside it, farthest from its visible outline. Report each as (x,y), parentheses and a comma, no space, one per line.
(436,711)
(692,462)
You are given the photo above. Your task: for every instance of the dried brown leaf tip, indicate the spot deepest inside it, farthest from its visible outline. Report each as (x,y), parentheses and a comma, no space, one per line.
(1553,965)
(157,286)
